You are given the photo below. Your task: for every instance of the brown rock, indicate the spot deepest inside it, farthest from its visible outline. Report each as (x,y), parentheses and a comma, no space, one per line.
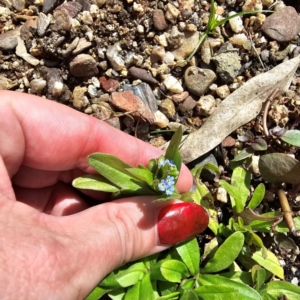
(180,97)
(83,65)
(109,85)
(282,26)
(228,142)
(159,20)
(28,29)
(62,20)
(167,107)
(187,105)
(142,74)
(72,8)
(128,102)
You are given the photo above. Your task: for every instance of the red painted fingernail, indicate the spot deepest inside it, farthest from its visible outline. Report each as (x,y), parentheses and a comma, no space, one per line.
(180,221)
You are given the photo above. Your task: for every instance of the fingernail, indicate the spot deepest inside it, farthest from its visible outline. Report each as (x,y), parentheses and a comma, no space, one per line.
(180,221)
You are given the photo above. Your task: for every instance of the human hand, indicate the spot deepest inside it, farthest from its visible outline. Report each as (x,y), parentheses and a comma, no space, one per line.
(52,243)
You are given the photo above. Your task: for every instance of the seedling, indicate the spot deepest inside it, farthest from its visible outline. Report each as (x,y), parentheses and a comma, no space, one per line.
(213,23)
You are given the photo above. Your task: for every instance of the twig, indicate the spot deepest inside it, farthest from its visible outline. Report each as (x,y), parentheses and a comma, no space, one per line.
(266,109)
(287,213)
(257,54)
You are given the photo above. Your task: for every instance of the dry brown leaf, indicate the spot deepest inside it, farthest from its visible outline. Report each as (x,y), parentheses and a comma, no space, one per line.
(237,109)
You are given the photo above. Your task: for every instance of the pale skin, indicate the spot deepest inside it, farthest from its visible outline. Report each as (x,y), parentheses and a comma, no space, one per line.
(52,244)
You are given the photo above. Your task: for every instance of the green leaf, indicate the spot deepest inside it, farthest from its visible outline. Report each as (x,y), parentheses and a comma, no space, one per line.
(141,290)
(96,293)
(259,145)
(169,270)
(125,276)
(196,171)
(259,276)
(226,254)
(117,294)
(245,292)
(280,288)
(190,255)
(166,197)
(142,174)
(172,152)
(292,137)
(189,295)
(270,263)
(245,153)
(242,277)
(95,182)
(279,167)
(114,170)
(202,196)
(257,196)
(216,292)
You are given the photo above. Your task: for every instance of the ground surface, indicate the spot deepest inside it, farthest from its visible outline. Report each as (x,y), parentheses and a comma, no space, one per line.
(92,55)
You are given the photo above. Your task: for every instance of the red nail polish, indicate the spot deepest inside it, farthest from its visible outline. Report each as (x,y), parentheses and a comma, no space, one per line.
(180,221)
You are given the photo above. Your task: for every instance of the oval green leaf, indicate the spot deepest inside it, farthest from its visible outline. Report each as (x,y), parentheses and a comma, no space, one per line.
(190,255)
(189,295)
(245,292)
(216,292)
(292,137)
(277,289)
(96,183)
(257,196)
(279,167)
(226,254)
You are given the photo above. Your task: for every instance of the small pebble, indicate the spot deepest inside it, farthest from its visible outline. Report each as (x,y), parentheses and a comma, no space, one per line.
(173,85)
(177,98)
(171,13)
(221,195)
(109,85)
(236,23)
(160,120)
(198,80)
(187,105)
(83,65)
(159,20)
(223,91)
(167,107)
(206,105)
(142,74)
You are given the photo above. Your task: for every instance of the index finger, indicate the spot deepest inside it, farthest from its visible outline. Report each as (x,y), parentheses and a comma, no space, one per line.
(55,137)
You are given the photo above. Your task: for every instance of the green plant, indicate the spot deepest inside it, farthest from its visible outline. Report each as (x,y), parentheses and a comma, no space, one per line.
(213,23)
(123,180)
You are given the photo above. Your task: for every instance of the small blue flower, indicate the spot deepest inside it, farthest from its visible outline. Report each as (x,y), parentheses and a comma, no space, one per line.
(163,185)
(170,190)
(170,163)
(170,180)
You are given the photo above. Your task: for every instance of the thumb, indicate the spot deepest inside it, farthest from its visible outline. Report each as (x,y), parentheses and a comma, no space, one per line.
(111,234)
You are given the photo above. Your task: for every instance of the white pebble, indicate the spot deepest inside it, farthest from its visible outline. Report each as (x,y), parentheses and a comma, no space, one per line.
(236,23)
(173,85)
(238,39)
(160,119)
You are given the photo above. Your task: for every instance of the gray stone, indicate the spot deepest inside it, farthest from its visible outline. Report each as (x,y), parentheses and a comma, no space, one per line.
(228,65)
(114,57)
(49,5)
(86,5)
(71,47)
(19,5)
(198,80)
(83,65)
(282,26)
(144,92)
(42,24)
(53,78)
(82,45)
(21,51)
(9,39)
